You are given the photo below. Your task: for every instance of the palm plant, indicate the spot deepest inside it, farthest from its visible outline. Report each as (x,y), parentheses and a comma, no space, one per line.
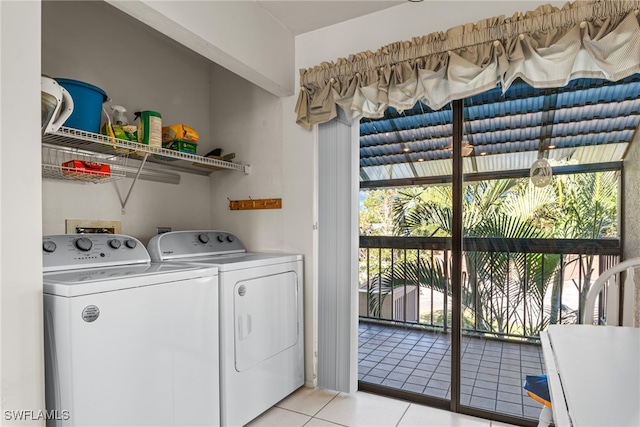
(503,291)
(589,211)
(428,211)
(513,284)
(496,281)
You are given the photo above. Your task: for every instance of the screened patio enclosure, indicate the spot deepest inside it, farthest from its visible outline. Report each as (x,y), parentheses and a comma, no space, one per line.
(513,283)
(586,125)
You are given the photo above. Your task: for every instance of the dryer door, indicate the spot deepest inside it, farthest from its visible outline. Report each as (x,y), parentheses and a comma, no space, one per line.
(266,317)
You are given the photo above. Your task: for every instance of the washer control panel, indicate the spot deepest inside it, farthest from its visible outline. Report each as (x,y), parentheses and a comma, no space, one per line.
(184,244)
(71,251)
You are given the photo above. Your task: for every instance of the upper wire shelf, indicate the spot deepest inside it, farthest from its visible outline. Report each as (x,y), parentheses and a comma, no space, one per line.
(76,138)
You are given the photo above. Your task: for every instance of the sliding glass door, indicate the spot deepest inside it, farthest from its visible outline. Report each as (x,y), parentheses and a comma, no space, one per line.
(480,225)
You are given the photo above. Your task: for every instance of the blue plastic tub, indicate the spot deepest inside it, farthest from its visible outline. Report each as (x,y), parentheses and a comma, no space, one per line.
(87,105)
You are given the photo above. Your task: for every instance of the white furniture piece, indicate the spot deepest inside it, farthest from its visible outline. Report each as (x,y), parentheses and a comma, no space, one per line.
(610,280)
(127,342)
(594,374)
(261,318)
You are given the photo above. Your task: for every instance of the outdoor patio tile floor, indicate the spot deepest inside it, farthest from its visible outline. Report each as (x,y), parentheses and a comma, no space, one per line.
(492,372)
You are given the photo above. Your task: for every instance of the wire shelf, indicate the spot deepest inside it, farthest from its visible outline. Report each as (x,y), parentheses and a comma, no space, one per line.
(69,137)
(81,165)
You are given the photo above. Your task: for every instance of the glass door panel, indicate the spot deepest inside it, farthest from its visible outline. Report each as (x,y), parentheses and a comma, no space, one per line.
(405,256)
(527,194)
(503,284)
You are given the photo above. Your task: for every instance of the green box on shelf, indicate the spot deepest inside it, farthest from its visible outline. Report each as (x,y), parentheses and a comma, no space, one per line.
(180,145)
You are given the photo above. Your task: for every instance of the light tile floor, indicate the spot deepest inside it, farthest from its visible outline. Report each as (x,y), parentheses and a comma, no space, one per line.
(323,408)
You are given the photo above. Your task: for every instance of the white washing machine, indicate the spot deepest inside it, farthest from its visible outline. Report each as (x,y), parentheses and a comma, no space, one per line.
(127,342)
(261,322)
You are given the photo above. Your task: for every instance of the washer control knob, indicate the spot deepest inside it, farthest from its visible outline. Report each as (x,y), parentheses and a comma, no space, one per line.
(84,244)
(231,238)
(49,246)
(203,238)
(220,238)
(115,243)
(130,243)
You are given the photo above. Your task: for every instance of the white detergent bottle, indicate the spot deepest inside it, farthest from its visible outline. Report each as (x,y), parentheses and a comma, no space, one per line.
(117,115)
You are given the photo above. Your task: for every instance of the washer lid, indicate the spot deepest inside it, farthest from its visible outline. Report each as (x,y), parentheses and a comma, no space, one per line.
(72,283)
(231,262)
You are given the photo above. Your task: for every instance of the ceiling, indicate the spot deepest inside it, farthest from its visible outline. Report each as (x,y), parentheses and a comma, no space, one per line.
(302,16)
(588,122)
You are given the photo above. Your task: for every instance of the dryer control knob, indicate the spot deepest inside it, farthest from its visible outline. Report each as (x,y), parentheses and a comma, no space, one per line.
(220,238)
(231,238)
(203,237)
(49,246)
(84,244)
(115,243)
(130,243)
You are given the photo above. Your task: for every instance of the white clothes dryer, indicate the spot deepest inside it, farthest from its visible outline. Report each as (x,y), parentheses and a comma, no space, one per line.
(261,320)
(127,342)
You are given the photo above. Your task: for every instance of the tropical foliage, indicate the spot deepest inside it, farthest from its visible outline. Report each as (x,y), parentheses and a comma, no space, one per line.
(503,292)
(589,211)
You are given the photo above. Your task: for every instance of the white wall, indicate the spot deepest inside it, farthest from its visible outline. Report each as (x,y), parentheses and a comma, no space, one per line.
(239,35)
(21,339)
(142,70)
(300,218)
(152,204)
(398,23)
(248,121)
(631,209)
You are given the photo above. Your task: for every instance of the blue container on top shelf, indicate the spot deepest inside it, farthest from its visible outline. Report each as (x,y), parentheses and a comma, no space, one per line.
(87,101)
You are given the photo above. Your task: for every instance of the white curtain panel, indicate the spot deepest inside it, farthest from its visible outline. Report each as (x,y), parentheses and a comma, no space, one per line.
(547,47)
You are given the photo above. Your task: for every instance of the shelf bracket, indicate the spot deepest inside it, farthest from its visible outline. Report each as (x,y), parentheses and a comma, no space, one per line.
(135,179)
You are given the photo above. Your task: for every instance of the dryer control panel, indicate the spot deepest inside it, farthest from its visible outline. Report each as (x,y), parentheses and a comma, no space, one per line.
(73,251)
(186,244)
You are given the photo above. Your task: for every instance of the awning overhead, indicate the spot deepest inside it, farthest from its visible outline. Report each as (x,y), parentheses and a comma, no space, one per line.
(588,121)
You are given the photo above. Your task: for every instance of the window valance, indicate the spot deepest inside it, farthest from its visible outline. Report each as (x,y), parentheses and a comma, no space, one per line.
(546,48)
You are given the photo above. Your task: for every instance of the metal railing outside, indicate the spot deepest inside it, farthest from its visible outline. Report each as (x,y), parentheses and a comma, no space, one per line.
(512,288)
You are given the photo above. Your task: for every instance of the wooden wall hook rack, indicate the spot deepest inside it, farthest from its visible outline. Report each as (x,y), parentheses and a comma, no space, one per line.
(238,205)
